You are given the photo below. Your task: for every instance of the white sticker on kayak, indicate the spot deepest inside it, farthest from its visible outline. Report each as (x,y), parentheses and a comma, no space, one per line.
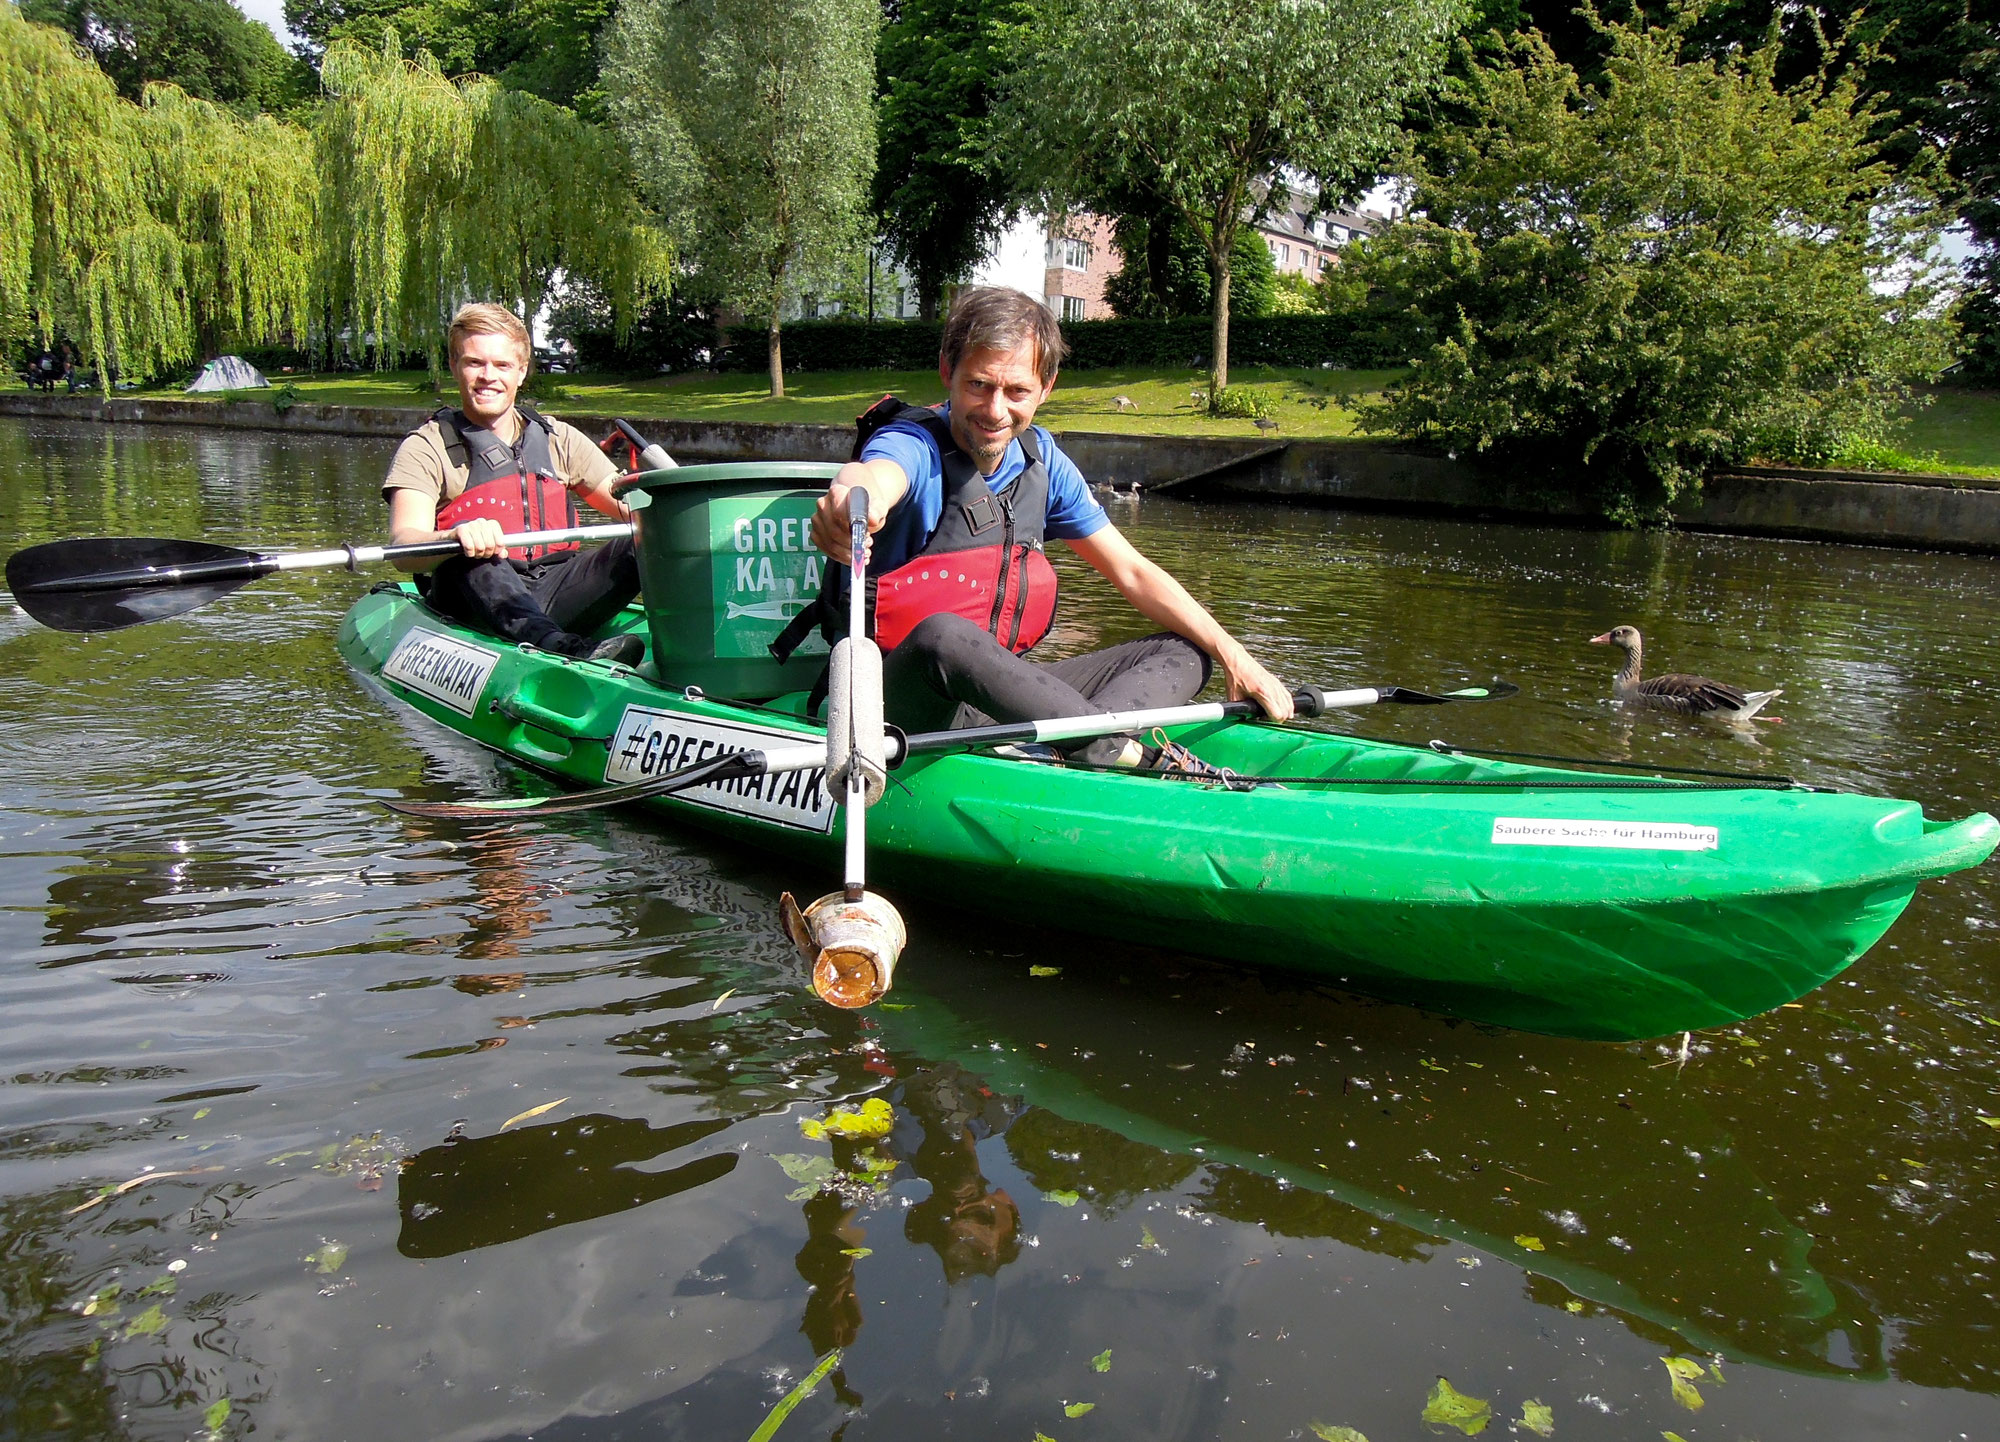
(651,743)
(1629,835)
(442,668)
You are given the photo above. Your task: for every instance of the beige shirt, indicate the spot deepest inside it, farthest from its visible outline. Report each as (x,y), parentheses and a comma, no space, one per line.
(422,464)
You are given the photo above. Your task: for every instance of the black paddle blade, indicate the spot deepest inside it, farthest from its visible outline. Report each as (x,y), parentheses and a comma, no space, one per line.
(56,583)
(729,767)
(1491,691)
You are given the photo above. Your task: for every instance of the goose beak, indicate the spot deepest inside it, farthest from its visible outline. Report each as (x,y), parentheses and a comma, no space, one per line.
(1604,640)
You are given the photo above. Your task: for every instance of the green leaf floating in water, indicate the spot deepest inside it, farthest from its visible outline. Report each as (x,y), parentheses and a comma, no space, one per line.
(768,1428)
(1684,1370)
(1077,1409)
(147,1322)
(216,1415)
(330,1257)
(811,1173)
(1532,1244)
(1449,1407)
(1328,1433)
(872,1119)
(857,1252)
(1538,1418)
(1044,971)
(1062,1199)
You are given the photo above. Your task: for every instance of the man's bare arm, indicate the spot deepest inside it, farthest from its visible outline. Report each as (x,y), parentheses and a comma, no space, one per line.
(1160,598)
(886,484)
(413,521)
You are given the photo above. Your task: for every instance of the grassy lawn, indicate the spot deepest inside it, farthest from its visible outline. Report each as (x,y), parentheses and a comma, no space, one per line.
(1962,427)
(1958,431)
(1309,403)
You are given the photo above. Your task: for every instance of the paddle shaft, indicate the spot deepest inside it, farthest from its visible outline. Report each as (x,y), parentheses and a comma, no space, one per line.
(249,567)
(854,875)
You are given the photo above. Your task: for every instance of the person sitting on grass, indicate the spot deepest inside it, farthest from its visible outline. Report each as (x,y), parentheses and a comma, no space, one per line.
(495,467)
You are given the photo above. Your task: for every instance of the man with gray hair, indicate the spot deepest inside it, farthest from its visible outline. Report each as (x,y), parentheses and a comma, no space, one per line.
(960,502)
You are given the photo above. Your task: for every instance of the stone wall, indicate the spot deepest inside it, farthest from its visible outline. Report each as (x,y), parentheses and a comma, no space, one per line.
(1920,512)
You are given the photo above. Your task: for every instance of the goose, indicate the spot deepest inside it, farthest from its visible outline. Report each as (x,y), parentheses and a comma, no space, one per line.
(1687,695)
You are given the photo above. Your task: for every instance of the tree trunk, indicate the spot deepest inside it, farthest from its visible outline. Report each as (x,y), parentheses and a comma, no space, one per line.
(1218,359)
(777,351)
(1159,251)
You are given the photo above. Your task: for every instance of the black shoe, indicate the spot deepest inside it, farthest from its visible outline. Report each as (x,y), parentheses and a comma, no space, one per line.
(626,650)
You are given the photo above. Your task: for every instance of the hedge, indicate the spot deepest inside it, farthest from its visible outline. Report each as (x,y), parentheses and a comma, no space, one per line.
(912,345)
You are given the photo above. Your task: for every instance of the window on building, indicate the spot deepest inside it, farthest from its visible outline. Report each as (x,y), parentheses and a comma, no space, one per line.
(1073,307)
(1069,254)
(1284,255)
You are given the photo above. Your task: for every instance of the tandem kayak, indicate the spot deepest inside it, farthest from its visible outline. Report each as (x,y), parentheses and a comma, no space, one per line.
(1565,902)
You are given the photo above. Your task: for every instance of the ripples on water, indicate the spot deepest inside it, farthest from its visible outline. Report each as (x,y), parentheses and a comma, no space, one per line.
(319,1027)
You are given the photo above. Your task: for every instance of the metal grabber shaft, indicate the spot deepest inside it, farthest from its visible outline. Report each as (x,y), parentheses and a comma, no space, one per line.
(853,936)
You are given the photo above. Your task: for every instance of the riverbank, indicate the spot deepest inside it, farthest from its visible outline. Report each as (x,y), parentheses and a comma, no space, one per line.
(1930,512)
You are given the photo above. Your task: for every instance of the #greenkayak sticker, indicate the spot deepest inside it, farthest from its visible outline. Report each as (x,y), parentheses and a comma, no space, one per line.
(766,570)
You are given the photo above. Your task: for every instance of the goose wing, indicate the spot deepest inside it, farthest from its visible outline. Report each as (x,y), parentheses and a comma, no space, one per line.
(1691,693)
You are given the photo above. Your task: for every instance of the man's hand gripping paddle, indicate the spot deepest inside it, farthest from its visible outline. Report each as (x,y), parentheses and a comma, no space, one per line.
(852,937)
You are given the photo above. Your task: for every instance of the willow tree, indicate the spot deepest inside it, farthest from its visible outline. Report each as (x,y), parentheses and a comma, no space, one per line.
(435,191)
(752,122)
(1197,101)
(81,250)
(143,233)
(239,196)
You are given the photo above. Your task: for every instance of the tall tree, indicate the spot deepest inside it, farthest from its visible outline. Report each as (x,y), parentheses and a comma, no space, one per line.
(1202,98)
(208,48)
(939,205)
(547,48)
(434,190)
(751,122)
(141,231)
(1625,283)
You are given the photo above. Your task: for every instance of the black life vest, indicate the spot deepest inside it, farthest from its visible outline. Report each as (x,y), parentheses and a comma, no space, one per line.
(515,485)
(983,561)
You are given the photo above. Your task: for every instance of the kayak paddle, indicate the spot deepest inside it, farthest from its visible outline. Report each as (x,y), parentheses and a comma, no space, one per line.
(105,584)
(898,748)
(852,937)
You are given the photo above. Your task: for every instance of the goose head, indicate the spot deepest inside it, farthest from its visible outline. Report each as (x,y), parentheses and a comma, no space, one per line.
(1625,638)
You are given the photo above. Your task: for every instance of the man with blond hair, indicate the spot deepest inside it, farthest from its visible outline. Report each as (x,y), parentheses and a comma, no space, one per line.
(961,499)
(494,467)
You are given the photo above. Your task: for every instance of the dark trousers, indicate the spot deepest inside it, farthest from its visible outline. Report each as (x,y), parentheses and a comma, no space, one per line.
(948,672)
(555,603)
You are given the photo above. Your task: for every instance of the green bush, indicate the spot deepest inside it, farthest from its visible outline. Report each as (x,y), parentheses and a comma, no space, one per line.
(1243,403)
(1614,300)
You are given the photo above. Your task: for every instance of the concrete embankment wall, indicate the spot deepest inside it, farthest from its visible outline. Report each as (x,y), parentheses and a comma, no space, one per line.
(1922,512)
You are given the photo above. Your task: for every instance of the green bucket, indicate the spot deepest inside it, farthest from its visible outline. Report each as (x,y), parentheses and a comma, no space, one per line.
(726,559)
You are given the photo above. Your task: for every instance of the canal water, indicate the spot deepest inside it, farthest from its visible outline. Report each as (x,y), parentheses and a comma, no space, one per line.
(319,1123)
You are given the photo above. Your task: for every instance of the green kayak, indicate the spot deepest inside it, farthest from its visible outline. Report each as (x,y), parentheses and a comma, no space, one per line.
(1564,902)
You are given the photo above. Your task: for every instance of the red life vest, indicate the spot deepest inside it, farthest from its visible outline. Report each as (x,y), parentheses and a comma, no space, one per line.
(983,561)
(515,485)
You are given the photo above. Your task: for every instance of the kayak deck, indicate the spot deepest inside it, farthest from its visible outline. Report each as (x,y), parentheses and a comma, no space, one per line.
(1560,901)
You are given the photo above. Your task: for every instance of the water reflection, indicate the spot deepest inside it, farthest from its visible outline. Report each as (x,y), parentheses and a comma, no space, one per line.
(469,1192)
(1622,1189)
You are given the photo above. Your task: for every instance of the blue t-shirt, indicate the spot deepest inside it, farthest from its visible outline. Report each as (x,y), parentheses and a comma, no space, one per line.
(1073,512)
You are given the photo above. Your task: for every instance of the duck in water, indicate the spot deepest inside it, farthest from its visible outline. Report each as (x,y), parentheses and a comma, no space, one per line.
(1686,695)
